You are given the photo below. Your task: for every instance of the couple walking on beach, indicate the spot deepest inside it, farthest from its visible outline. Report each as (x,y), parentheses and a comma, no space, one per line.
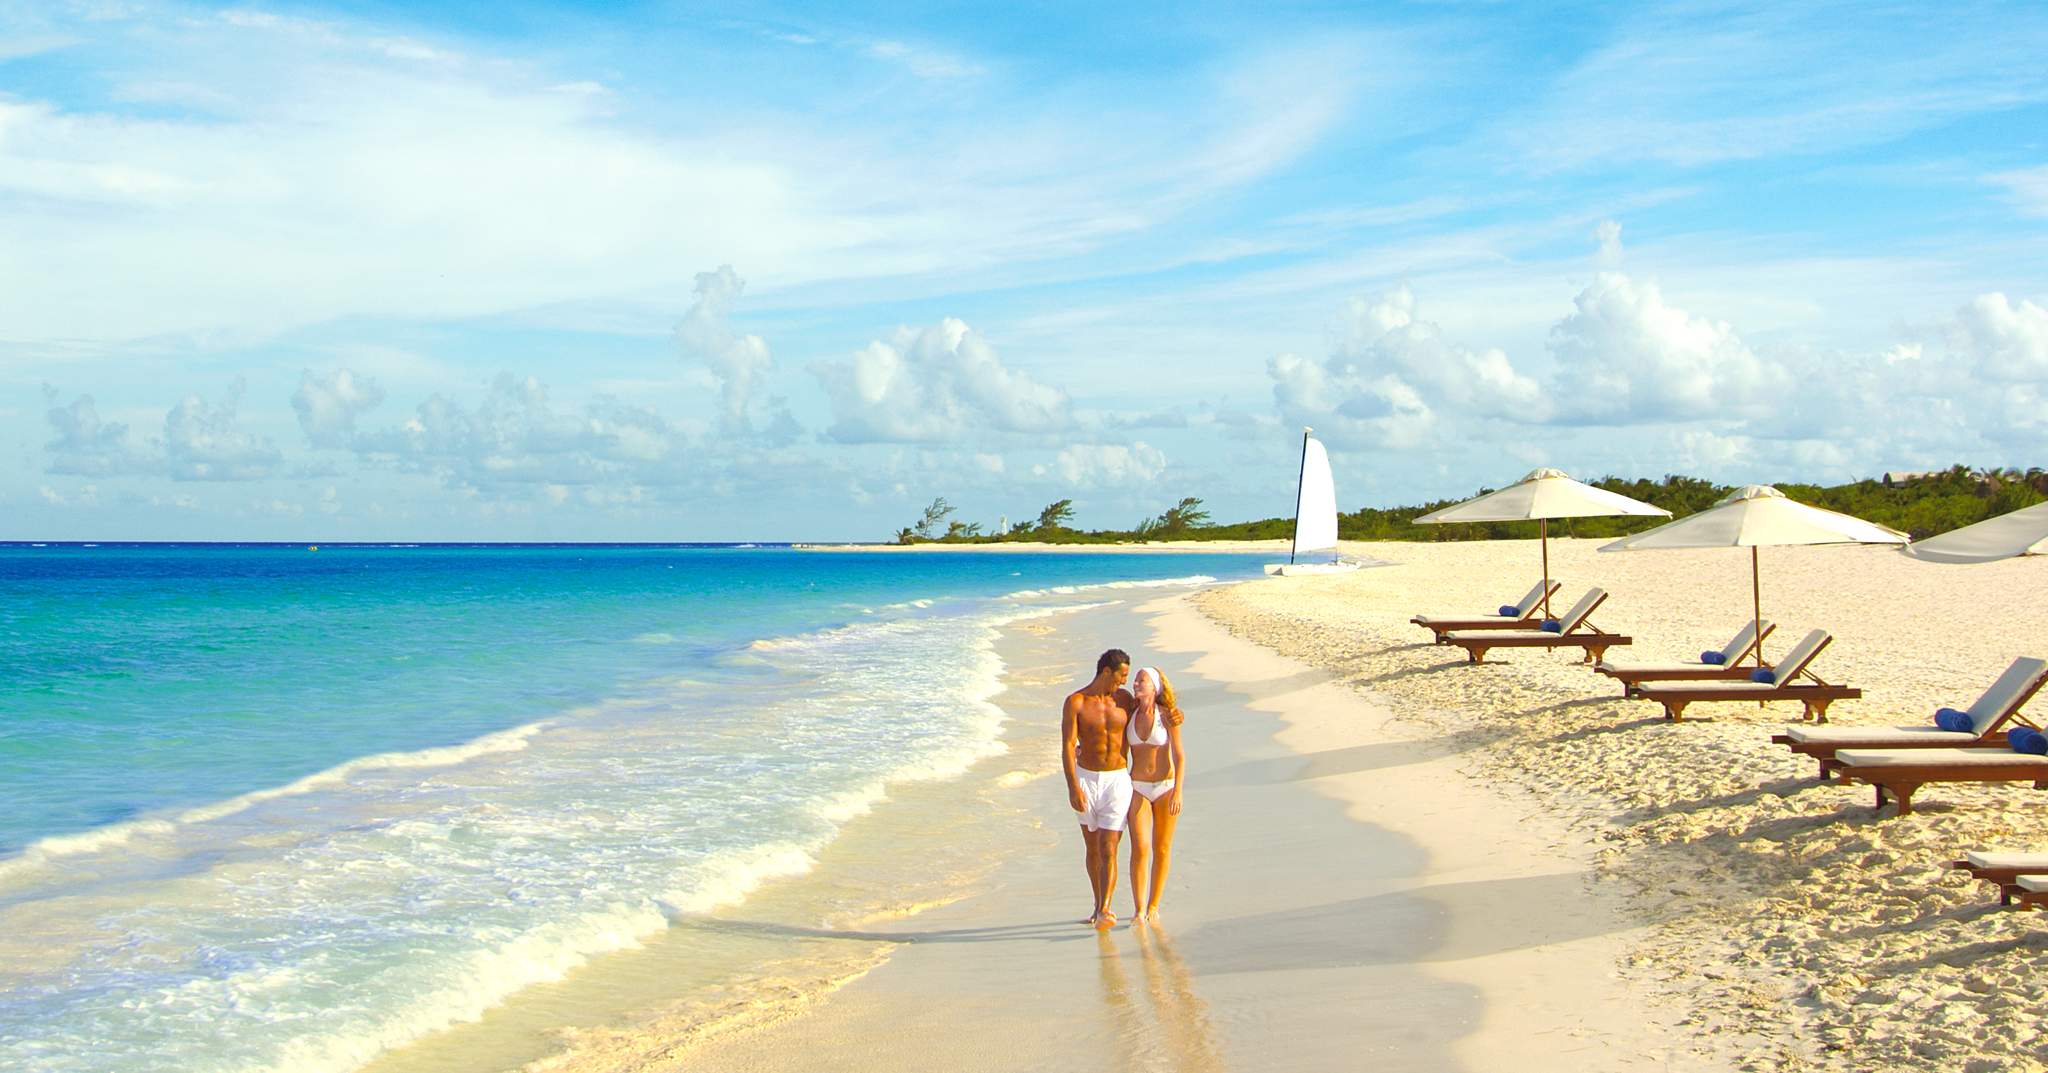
(1121,748)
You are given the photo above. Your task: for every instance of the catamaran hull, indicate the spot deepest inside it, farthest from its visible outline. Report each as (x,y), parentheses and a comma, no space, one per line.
(1299,569)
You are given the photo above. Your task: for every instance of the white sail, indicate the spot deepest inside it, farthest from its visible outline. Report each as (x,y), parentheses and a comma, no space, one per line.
(1315,510)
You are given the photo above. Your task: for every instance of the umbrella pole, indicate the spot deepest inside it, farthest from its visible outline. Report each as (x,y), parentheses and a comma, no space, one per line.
(1543,537)
(1756,596)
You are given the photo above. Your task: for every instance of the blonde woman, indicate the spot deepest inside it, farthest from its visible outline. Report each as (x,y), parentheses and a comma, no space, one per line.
(1159,776)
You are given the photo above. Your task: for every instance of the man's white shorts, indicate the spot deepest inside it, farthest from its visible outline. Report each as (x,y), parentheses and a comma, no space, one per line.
(1105,799)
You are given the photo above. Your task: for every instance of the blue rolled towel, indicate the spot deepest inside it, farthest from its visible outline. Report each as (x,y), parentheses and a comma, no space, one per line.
(1714,657)
(2027,740)
(1511,611)
(1551,625)
(1765,675)
(1951,719)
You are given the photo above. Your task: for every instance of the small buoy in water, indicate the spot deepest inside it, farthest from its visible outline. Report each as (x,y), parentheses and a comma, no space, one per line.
(312,547)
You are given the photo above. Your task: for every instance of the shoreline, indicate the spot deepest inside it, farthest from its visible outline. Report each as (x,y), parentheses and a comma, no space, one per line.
(1392,912)
(1205,547)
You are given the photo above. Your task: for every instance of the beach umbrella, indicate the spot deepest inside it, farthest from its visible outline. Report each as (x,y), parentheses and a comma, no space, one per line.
(1755,516)
(1542,495)
(2023,532)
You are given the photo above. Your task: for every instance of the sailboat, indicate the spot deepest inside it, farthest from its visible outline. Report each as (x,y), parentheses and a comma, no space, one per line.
(1315,515)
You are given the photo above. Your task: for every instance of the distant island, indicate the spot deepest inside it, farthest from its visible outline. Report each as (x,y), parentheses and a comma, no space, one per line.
(1919,504)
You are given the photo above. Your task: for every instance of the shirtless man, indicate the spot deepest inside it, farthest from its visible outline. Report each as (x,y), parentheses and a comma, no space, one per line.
(1093,753)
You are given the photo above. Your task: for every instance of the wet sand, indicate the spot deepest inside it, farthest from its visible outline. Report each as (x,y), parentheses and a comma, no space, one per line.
(1342,898)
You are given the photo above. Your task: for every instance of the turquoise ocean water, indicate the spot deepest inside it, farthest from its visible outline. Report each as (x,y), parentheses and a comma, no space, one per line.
(269,808)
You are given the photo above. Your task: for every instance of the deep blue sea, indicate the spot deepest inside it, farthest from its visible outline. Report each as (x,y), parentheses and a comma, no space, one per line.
(265,807)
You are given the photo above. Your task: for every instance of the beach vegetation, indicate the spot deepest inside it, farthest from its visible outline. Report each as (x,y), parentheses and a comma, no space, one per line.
(1056,515)
(927,525)
(1922,506)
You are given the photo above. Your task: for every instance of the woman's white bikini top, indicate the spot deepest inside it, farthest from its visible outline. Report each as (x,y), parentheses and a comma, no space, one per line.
(1158,729)
(1158,735)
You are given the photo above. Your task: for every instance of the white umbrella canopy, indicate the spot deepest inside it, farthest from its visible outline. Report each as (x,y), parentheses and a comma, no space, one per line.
(1542,495)
(1754,516)
(2022,532)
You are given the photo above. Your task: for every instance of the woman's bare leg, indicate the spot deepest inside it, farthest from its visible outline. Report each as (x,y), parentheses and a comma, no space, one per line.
(1163,823)
(1141,853)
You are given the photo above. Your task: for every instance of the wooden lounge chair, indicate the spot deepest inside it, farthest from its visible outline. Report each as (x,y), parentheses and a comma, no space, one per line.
(1573,632)
(1999,706)
(1524,618)
(2003,868)
(2031,891)
(1898,773)
(1816,694)
(1730,669)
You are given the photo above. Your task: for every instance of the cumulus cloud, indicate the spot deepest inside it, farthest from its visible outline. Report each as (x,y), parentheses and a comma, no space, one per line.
(1608,234)
(202,442)
(329,405)
(934,384)
(84,444)
(2005,341)
(1389,374)
(1625,357)
(737,360)
(517,436)
(1096,464)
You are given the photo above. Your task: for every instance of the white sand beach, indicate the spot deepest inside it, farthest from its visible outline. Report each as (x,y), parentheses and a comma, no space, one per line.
(1780,907)
(1336,898)
(1393,859)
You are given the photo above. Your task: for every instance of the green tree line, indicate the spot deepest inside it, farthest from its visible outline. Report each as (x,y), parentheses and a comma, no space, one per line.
(1922,507)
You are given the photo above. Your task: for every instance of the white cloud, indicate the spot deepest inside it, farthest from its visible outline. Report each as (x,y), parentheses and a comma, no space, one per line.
(1389,376)
(924,62)
(1608,234)
(2028,189)
(517,437)
(2007,342)
(1385,334)
(87,496)
(1350,411)
(1626,357)
(202,442)
(328,406)
(735,359)
(332,154)
(1097,464)
(84,444)
(1772,79)
(934,384)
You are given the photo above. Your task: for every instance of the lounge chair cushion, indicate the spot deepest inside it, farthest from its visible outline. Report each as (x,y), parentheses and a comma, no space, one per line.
(2027,740)
(2006,859)
(1713,656)
(2031,884)
(1551,625)
(1951,719)
(1874,736)
(1975,758)
(1510,611)
(1764,675)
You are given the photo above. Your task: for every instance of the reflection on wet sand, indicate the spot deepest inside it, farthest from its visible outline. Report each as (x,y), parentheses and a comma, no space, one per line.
(1182,1015)
(1171,1031)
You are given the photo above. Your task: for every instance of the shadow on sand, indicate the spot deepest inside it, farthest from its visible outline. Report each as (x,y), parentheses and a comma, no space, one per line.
(1372,757)
(1403,927)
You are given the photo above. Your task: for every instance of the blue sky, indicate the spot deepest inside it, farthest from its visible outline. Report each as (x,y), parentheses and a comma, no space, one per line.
(659,271)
